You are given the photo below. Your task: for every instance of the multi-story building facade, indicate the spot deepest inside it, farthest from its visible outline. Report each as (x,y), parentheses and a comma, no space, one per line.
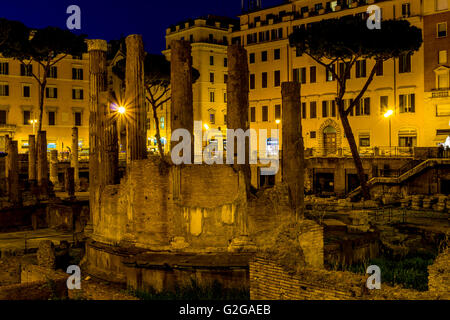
(437,66)
(209,37)
(65,105)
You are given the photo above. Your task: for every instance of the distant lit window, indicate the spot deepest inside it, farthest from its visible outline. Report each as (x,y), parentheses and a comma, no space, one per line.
(77,73)
(4,68)
(442,57)
(3,116)
(277,54)
(53,72)
(4,90)
(211,96)
(51,118)
(407,103)
(442,29)
(161,123)
(51,92)
(77,94)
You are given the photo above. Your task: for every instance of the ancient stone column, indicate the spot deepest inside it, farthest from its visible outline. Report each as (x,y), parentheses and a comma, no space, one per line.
(42,164)
(293,166)
(135,97)
(74,158)
(69,181)
(182,107)
(237,102)
(32,158)
(54,168)
(12,167)
(7,140)
(97,84)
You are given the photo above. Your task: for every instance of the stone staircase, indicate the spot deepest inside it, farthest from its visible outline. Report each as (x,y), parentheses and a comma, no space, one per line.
(422,166)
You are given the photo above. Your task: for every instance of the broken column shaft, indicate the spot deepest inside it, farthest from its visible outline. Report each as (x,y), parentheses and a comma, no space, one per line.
(12,167)
(42,163)
(237,101)
(74,158)
(69,182)
(293,166)
(135,97)
(32,158)
(182,112)
(54,168)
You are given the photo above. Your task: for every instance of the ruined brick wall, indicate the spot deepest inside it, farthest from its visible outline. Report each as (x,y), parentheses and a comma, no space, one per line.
(439,275)
(196,206)
(271,281)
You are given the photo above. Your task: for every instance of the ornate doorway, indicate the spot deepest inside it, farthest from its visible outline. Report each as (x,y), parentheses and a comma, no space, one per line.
(329,140)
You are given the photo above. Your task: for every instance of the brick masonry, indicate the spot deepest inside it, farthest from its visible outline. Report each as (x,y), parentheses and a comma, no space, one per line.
(271,281)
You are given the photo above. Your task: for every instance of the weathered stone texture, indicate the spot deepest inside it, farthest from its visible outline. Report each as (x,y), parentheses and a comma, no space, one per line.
(74,162)
(182,112)
(439,275)
(12,167)
(293,165)
(46,254)
(31,157)
(135,95)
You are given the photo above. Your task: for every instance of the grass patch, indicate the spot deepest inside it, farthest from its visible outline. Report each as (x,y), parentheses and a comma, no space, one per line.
(194,291)
(411,272)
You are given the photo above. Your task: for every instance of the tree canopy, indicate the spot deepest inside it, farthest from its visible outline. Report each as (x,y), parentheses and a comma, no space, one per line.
(346,40)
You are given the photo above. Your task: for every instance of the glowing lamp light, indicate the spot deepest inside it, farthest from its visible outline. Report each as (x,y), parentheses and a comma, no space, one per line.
(277,121)
(388,113)
(121,110)
(206,127)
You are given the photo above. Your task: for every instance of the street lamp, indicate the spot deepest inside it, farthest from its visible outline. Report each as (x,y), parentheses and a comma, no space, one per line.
(33,122)
(388,115)
(121,110)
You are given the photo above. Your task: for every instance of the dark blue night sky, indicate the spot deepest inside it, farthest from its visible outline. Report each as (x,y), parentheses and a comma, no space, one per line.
(109,19)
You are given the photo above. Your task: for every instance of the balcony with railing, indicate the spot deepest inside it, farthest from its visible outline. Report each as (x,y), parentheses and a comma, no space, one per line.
(440,93)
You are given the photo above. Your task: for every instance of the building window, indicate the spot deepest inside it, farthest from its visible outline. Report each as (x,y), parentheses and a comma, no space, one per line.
(313,110)
(265,113)
(264,56)
(264,80)
(3,116)
(252,114)
(77,74)
(4,90)
(442,59)
(252,81)
(442,110)
(51,118)
(225,97)
(211,96)
(224,119)
(77,119)
(442,29)
(51,92)
(211,77)
(312,134)
(404,63)
(361,68)
(252,58)
(406,10)
(277,112)
(277,78)
(211,38)
(26,117)
(379,68)
(191,38)
(212,118)
(53,72)
(211,60)
(407,103)
(312,74)
(225,78)
(4,68)
(225,62)
(328,108)
(405,141)
(329,73)
(342,70)
(442,80)
(26,91)
(363,107)
(26,70)
(384,104)
(299,75)
(276,54)
(441,5)
(364,140)
(77,94)
(162,123)
(303,110)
